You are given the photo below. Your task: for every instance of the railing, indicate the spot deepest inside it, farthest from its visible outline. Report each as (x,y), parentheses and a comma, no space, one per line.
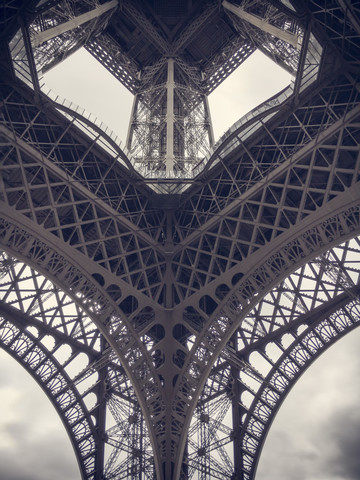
(253,120)
(244,128)
(229,141)
(92,126)
(81,112)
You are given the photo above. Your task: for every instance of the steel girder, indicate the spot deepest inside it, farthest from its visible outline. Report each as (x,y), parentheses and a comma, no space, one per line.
(28,341)
(186,297)
(58,216)
(58,344)
(340,22)
(279,338)
(62,44)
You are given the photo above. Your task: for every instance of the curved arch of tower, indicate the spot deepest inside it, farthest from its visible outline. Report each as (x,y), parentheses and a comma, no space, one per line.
(168,294)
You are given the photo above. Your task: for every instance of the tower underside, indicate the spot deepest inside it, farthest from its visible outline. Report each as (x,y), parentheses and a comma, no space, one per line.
(187,283)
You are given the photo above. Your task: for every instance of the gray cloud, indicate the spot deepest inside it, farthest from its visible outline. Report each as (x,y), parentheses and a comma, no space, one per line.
(316,434)
(53,466)
(31,457)
(33,442)
(344,432)
(284,459)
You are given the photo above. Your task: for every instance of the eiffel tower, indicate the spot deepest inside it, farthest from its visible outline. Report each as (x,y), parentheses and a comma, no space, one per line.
(167,293)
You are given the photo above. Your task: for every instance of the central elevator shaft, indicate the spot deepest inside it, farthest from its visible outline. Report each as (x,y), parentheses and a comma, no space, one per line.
(170,119)
(170,129)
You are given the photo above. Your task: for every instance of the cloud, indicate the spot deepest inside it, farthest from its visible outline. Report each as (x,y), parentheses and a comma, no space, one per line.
(316,434)
(26,467)
(79,76)
(36,457)
(288,459)
(33,442)
(344,434)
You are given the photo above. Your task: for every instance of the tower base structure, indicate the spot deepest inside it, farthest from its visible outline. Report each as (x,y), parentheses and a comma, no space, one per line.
(167,295)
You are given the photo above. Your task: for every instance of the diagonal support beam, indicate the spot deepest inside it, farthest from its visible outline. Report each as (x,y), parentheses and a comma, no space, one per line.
(321,137)
(189,33)
(262,24)
(38,157)
(46,35)
(349,12)
(145,24)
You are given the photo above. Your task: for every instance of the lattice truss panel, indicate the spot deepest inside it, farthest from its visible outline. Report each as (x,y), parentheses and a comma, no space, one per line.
(147,144)
(340,20)
(130,245)
(159,151)
(61,45)
(146,141)
(117,219)
(279,50)
(59,345)
(288,329)
(291,325)
(230,218)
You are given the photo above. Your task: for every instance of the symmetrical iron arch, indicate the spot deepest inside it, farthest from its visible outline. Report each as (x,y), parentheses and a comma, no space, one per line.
(289,328)
(197,307)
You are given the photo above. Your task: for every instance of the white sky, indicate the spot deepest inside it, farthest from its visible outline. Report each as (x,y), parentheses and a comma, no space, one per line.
(316,434)
(317,429)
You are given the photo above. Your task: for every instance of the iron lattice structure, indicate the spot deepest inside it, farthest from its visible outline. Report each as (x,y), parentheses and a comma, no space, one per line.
(166,302)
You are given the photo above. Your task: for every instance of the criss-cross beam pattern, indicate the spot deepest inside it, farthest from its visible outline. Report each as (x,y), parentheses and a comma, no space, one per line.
(340,21)
(59,345)
(67,28)
(52,339)
(105,302)
(198,311)
(264,188)
(278,339)
(38,356)
(119,215)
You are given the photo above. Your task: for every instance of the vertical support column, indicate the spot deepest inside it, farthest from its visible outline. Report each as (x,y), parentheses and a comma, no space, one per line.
(169,250)
(30,56)
(169,159)
(236,418)
(130,132)
(101,427)
(208,121)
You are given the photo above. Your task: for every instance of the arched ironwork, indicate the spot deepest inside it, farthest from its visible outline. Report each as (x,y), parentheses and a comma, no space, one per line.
(187,293)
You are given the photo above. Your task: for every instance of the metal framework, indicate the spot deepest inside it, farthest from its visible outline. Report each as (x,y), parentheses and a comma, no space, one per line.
(166,310)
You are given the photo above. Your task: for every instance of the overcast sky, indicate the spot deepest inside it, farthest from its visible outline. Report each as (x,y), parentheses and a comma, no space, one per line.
(316,434)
